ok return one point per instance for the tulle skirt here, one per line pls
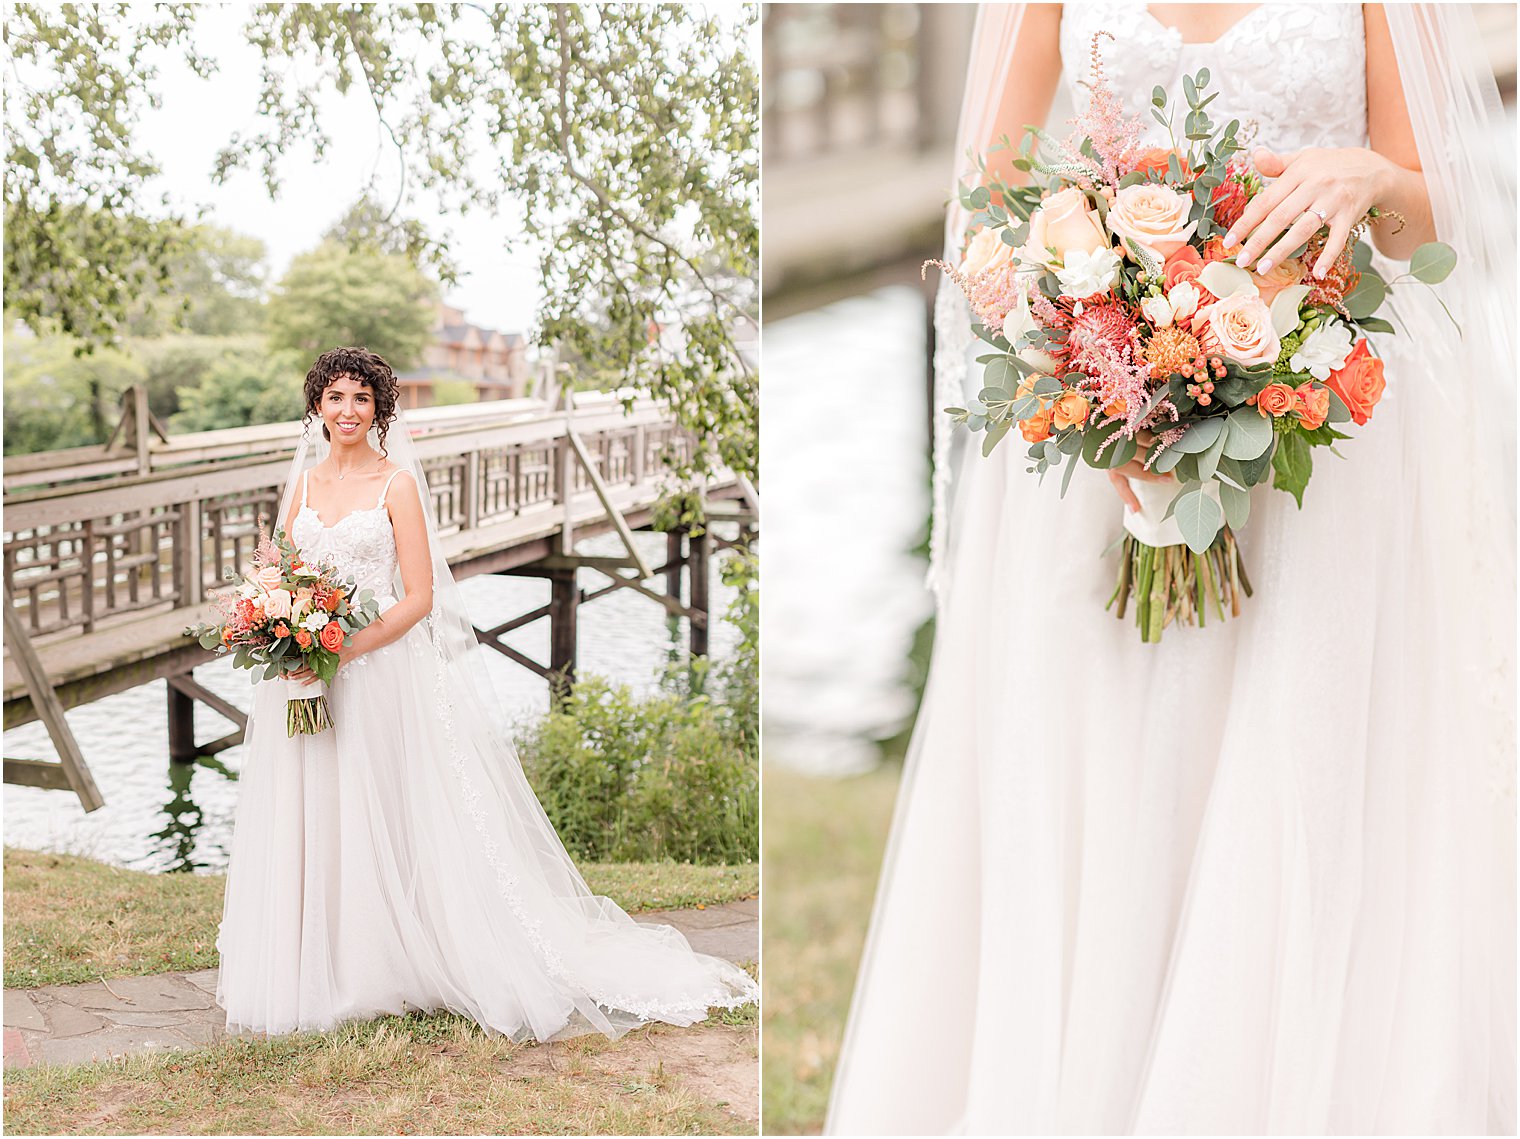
(398, 861)
(1258, 878)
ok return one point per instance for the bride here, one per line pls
(1257, 878)
(398, 860)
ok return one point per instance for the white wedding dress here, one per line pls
(1258, 878)
(381, 867)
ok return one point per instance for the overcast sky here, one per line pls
(198, 117)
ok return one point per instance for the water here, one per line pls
(160, 819)
(845, 462)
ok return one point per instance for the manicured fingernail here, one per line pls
(1229, 240)
(1243, 261)
(1265, 266)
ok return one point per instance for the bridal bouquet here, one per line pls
(286, 614)
(1117, 327)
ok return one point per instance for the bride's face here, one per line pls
(347, 408)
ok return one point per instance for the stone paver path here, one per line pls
(72, 1024)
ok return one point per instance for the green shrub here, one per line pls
(630, 778)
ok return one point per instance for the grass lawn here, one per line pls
(823, 844)
(407, 1076)
(70, 919)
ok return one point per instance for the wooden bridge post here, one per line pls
(564, 602)
(182, 747)
(674, 555)
(697, 562)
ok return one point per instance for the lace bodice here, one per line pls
(361, 543)
(1297, 70)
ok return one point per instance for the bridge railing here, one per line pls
(93, 535)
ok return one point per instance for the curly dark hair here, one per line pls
(368, 369)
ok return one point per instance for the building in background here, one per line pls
(466, 362)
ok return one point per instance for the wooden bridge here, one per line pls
(111, 551)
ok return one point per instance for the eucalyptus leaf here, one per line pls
(1199, 518)
(1200, 436)
(1236, 503)
(1433, 262)
(1208, 462)
(1247, 433)
(1048, 385)
(994, 435)
(1367, 297)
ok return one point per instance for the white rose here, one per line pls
(1087, 274)
(1157, 310)
(1184, 298)
(1323, 351)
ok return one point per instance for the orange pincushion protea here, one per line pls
(1170, 350)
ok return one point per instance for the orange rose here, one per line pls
(1312, 405)
(1036, 429)
(282, 630)
(1275, 400)
(1359, 383)
(1070, 410)
(332, 636)
(303, 638)
(1118, 407)
(1155, 159)
(1183, 265)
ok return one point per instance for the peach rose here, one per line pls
(1359, 382)
(1036, 429)
(1312, 405)
(1064, 222)
(1120, 406)
(277, 603)
(268, 578)
(1275, 400)
(1070, 410)
(1290, 272)
(1183, 264)
(1152, 216)
(987, 251)
(282, 630)
(303, 638)
(1243, 327)
(332, 636)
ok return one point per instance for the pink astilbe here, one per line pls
(992, 293)
(1114, 133)
(1165, 439)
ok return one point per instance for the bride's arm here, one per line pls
(416, 563)
(1033, 73)
(1344, 183)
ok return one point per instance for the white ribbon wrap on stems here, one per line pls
(295, 690)
(1147, 524)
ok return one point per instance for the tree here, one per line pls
(80, 245)
(242, 389)
(215, 287)
(333, 296)
(55, 398)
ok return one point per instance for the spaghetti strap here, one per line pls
(304, 476)
(386, 488)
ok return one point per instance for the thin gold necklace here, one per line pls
(341, 474)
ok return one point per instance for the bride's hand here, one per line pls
(302, 675)
(1135, 469)
(1313, 188)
